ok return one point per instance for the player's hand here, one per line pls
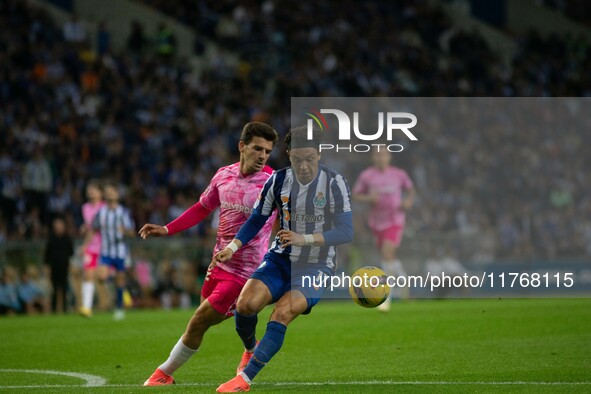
(152, 230)
(221, 256)
(406, 205)
(289, 238)
(373, 197)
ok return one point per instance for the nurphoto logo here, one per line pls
(387, 121)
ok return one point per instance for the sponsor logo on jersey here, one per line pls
(300, 217)
(235, 207)
(319, 200)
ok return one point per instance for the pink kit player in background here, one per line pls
(92, 248)
(391, 193)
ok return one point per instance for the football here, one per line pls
(368, 287)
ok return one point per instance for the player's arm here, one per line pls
(361, 191)
(207, 203)
(248, 231)
(341, 233)
(408, 198)
(187, 219)
(366, 197)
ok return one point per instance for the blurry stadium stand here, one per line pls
(525, 15)
(277, 62)
(461, 15)
(119, 15)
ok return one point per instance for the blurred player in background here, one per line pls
(234, 190)
(391, 193)
(114, 223)
(315, 216)
(91, 249)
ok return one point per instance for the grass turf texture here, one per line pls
(536, 340)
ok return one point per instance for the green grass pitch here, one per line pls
(455, 346)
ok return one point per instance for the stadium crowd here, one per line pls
(147, 121)
(578, 10)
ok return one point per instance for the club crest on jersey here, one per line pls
(319, 200)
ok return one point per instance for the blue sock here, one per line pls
(269, 345)
(246, 328)
(119, 297)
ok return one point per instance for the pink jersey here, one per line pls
(389, 184)
(236, 194)
(89, 211)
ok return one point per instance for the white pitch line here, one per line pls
(91, 380)
(329, 383)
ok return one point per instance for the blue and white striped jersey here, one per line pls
(306, 209)
(111, 223)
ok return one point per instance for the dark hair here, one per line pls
(110, 183)
(298, 138)
(258, 129)
(95, 183)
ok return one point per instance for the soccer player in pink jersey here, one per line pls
(92, 248)
(391, 193)
(234, 189)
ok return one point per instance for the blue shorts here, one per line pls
(281, 276)
(117, 263)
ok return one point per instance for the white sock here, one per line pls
(395, 268)
(179, 355)
(246, 378)
(87, 294)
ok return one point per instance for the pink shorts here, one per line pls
(222, 289)
(392, 234)
(90, 260)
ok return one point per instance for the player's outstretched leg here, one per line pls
(179, 355)
(287, 308)
(253, 298)
(205, 316)
(266, 349)
(120, 283)
(87, 289)
(246, 329)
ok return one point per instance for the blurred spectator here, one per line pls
(58, 251)
(74, 30)
(30, 225)
(136, 41)
(144, 277)
(103, 38)
(30, 295)
(3, 232)
(59, 202)
(169, 288)
(135, 291)
(165, 42)
(10, 182)
(9, 303)
(579, 10)
(37, 183)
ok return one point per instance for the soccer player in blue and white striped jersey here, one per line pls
(114, 223)
(315, 216)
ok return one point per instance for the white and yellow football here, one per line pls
(368, 287)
